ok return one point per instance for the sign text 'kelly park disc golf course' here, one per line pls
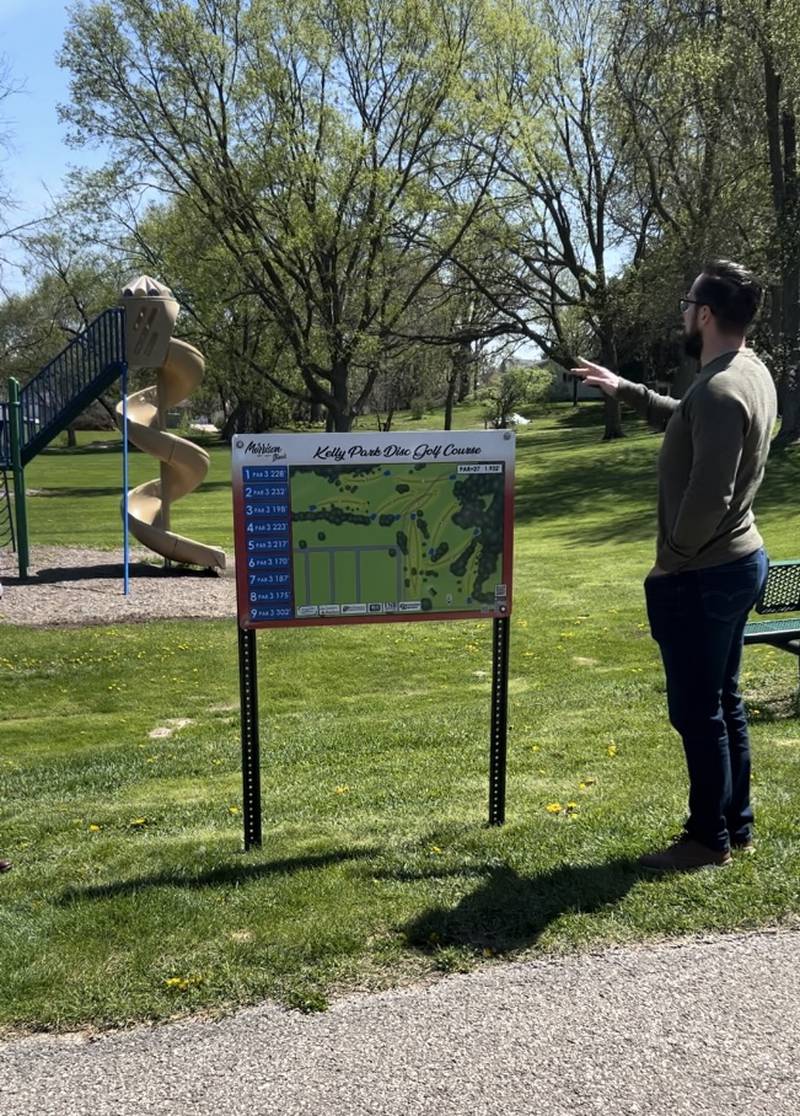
(372, 528)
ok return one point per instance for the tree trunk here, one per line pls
(785, 317)
(789, 233)
(464, 378)
(613, 411)
(613, 419)
(789, 405)
(339, 418)
(457, 380)
(454, 378)
(248, 417)
(448, 402)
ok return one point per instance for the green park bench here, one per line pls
(781, 594)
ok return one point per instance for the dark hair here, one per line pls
(731, 292)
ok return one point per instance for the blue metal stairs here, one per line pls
(66, 386)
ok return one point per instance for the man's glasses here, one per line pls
(685, 303)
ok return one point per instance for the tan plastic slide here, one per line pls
(183, 464)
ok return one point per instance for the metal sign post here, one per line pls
(17, 435)
(251, 761)
(501, 634)
(251, 758)
(126, 586)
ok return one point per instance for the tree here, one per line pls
(707, 97)
(328, 145)
(8, 232)
(512, 389)
(554, 231)
(67, 286)
(249, 377)
(778, 38)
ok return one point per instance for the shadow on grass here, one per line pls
(113, 571)
(621, 491)
(510, 911)
(619, 487)
(224, 876)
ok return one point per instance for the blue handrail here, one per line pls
(66, 386)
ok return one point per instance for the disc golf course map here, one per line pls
(351, 528)
(389, 538)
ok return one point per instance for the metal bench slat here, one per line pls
(758, 629)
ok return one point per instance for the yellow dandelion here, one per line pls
(182, 984)
(553, 807)
(435, 849)
(94, 828)
(612, 749)
(341, 789)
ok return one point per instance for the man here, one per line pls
(710, 562)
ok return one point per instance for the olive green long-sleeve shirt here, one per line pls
(712, 460)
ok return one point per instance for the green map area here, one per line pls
(398, 537)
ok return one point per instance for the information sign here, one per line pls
(364, 528)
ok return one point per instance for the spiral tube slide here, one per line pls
(183, 464)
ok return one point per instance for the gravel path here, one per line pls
(67, 586)
(701, 1026)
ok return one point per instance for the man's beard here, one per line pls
(693, 344)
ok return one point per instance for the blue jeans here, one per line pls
(697, 618)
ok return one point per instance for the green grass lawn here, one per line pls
(131, 899)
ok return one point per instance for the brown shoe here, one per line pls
(685, 855)
(5, 865)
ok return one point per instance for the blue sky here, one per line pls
(31, 34)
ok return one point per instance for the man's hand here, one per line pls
(595, 375)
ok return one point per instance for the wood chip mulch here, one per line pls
(71, 587)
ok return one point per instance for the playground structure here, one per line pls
(150, 312)
(136, 334)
